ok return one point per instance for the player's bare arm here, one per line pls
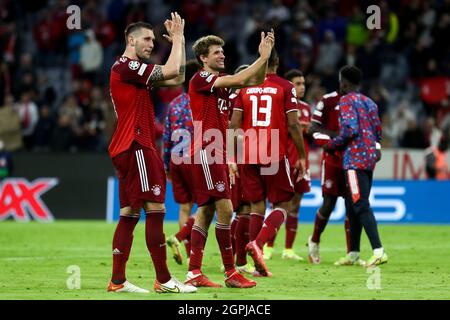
(171, 70)
(181, 76)
(295, 130)
(241, 79)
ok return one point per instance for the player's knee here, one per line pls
(259, 207)
(154, 206)
(128, 212)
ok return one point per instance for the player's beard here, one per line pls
(142, 56)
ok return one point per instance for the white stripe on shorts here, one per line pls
(288, 171)
(353, 181)
(206, 171)
(142, 170)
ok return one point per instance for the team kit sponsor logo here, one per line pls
(21, 199)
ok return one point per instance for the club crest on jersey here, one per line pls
(156, 189)
(133, 65)
(294, 93)
(220, 186)
(204, 74)
(328, 183)
(305, 113)
(319, 106)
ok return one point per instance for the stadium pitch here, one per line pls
(41, 261)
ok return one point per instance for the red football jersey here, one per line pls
(304, 116)
(211, 107)
(326, 115)
(134, 109)
(265, 109)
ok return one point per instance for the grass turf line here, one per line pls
(34, 259)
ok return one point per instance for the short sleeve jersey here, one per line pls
(264, 110)
(304, 117)
(130, 94)
(326, 115)
(210, 107)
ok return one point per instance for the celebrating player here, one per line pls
(267, 109)
(359, 134)
(304, 185)
(179, 118)
(139, 166)
(210, 107)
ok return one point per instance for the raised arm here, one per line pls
(171, 70)
(179, 80)
(257, 68)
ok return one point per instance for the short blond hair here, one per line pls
(201, 46)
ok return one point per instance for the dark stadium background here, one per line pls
(61, 75)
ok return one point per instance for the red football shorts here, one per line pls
(141, 176)
(304, 185)
(276, 188)
(333, 180)
(211, 181)
(182, 185)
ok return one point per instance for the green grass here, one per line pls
(34, 259)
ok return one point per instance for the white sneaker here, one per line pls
(173, 286)
(313, 251)
(125, 287)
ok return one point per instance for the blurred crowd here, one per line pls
(54, 93)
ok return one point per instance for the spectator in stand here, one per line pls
(42, 140)
(10, 130)
(65, 137)
(436, 164)
(330, 52)
(29, 116)
(5, 80)
(400, 119)
(93, 124)
(44, 33)
(414, 137)
(91, 57)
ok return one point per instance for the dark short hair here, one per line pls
(293, 73)
(352, 74)
(192, 67)
(201, 46)
(132, 27)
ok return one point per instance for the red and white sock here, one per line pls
(271, 226)
(242, 238)
(185, 231)
(256, 222)
(223, 236)
(156, 243)
(234, 224)
(291, 229)
(198, 241)
(121, 246)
